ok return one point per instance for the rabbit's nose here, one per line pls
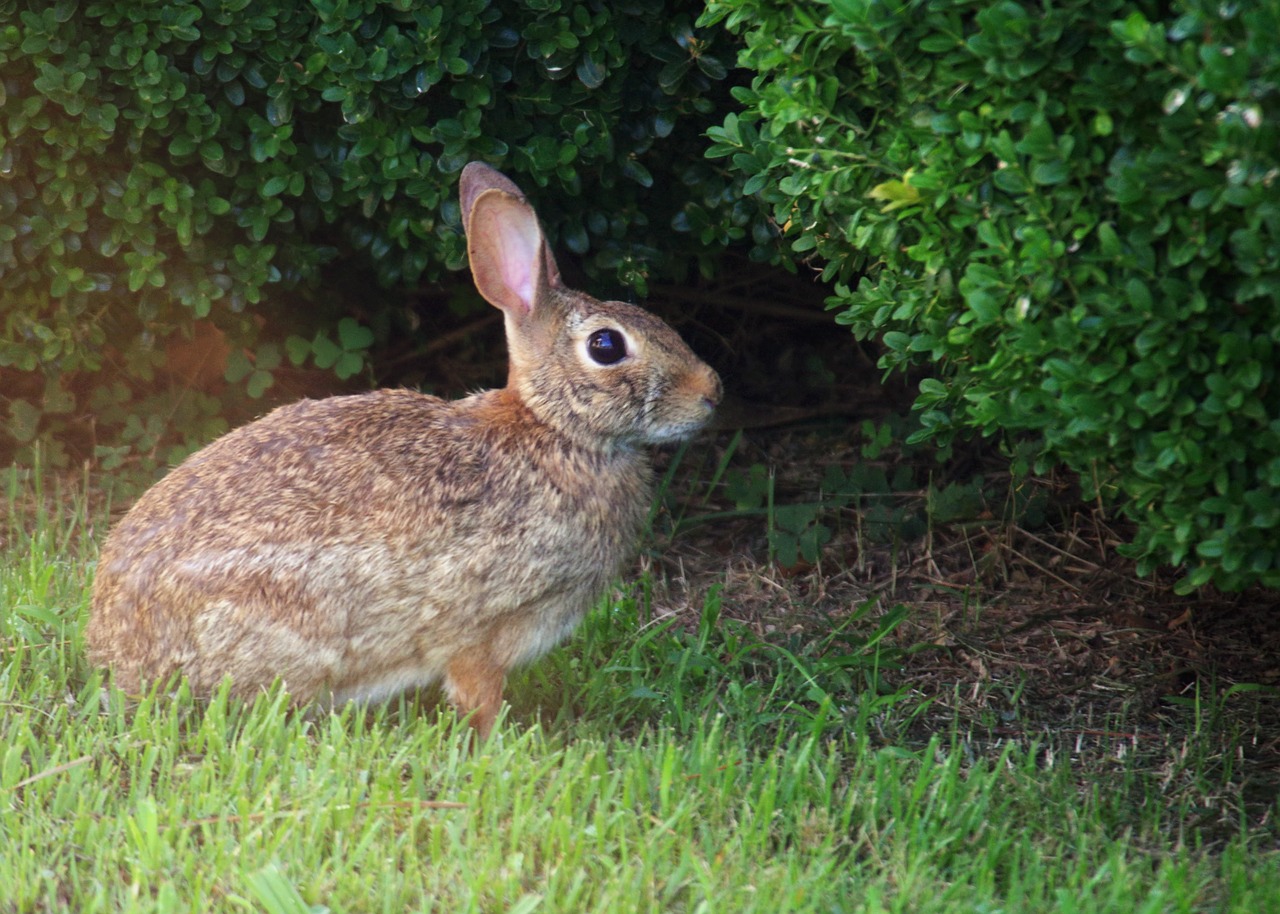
(713, 390)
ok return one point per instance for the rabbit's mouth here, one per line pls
(673, 434)
(668, 421)
(668, 429)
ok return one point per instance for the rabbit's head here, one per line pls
(602, 373)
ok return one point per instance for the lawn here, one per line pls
(657, 762)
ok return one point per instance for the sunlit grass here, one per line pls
(642, 767)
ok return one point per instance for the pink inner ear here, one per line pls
(507, 251)
(519, 244)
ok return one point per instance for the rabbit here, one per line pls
(355, 547)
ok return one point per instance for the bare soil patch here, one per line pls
(1040, 635)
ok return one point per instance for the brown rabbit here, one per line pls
(358, 546)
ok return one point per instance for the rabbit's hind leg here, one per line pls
(474, 684)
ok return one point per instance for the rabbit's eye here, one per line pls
(606, 347)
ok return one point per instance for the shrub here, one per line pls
(1072, 211)
(162, 163)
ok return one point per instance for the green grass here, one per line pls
(642, 767)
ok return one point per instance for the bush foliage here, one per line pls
(164, 162)
(1073, 210)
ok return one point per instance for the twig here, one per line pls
(282, 813)
(50, 772)
(1058, 549)
(1034, 564)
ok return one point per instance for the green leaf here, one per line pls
(897, 340)
(297, 349)
(259, 382)
(348, 365)
(352, 336)
(985, 305)
(25, 420)
(1138, 294)
(895, 193)
(1108, 240)
(326, 351)
(711, 67)
(591, 72)
(850, 11)
(275, 185)
(636, 172)
(267, 357)
(1011, 181)
(238, 366)
(1051, 172)
(932, 387)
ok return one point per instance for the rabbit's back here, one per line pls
(352, 546)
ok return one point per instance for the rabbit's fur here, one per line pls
(357, 546)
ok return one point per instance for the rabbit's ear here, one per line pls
(505, 246)
(476, 178)
(504, 241)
